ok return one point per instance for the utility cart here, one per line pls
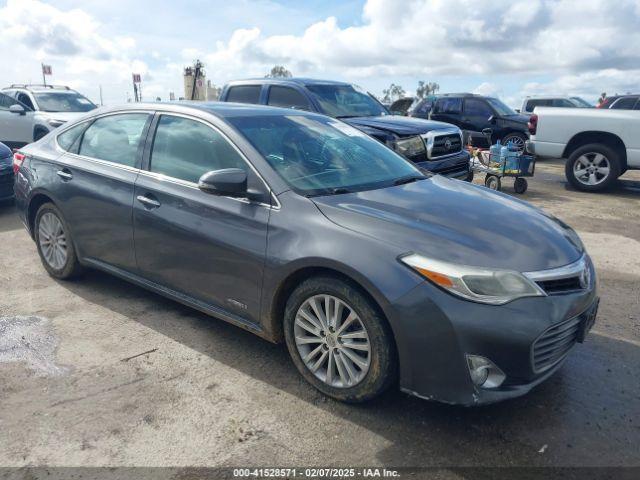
(518, 165)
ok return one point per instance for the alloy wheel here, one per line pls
(52, 241)
(332, 341)
(517, 141)
(591, 168)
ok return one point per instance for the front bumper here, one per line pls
(454, 166)
(434, 330)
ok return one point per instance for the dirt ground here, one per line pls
(75, 391)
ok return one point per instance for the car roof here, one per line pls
(39, 88)
(543, 97)
(218, 109)
(302, 81)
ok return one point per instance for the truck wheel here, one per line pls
(592, 167)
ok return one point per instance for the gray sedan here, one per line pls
(302, 229)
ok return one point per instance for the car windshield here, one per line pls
(318, 155)
(500, 107)
(63, 102)
(343, 101)
(582, 103)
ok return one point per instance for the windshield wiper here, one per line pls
(339, 190)
(405, 180)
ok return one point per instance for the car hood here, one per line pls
(456, 222)
(401, 126)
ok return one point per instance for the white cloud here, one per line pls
(585, 46)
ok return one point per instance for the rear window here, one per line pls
(244, 94)
(532, 104)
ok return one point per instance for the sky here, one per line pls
(506, 48)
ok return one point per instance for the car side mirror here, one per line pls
(17, 109)
(229, 182)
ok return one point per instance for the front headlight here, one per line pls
(410, 147)
(495, 287)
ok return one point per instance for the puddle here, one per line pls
(30, 339)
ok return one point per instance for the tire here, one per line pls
(381, 371)
(519, 139)
(469, 177)
(594, 155)
(492, 182)
(520, 185)
(44, 226)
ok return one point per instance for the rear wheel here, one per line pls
(338, 340)
(520, 185)
(592, 167)
(54, 242)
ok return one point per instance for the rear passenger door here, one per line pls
(205, 246)
(95, 183)
(287, 97)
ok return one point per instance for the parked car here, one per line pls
(302, 229)
(29, 112)
(434, 146)
(530, 103)
(6, 173)
(474, 113)
(599, 144)
(626, 102)
(606, 103)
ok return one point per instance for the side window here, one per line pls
(69, 140)
(625, 103)
(532, 104)
(114, 138)
(477, 108)
(244, 94)
(449, 105)
(637, 107)
(287, 97)
(562, 103)
(424, 106)
(25, 100)
(186, 149)
(6, 101)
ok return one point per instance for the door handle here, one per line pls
(148, 202)
(64, 174)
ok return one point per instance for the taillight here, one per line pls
(533, 124)
(18, 158)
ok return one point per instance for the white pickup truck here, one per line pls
(599, 145)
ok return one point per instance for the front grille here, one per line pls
(440, 143)
(560, 285)
(555, 343)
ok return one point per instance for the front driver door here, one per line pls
(208, 247)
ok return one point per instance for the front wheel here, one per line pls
(493, 182)
(592, 167)
(338, 340)
(519, 140)
(520, 185)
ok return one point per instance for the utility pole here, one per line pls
(44, 79)
(101, 104)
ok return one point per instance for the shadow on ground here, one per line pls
(584, 415)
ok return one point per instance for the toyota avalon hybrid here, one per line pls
(305, 230)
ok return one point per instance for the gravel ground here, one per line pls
(75, 391)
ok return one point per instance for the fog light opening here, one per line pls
(484, 373)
